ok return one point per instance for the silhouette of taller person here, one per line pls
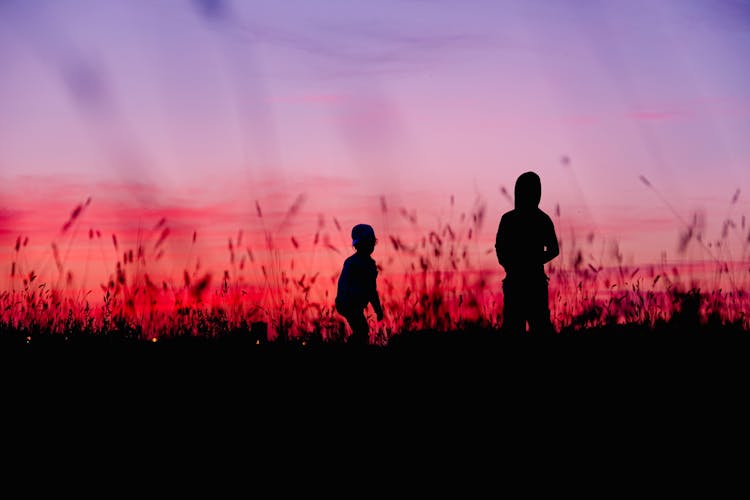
(525, 242)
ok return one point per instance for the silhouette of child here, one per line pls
(357, 285)
(525, 241)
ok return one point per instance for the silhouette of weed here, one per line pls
(442, 280)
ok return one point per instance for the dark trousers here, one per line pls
(357, 321)
(526, 300)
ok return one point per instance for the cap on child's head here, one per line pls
(362, 232)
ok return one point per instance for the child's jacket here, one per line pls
(357, 283)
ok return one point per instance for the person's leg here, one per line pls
(539, 313)
(360, 328)
(514, 319)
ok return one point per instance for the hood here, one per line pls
(528, 190)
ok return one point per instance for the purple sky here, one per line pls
(217, 104)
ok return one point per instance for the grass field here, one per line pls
(436, 286)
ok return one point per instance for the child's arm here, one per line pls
(375, 301)
(375, 298)
(342, 289)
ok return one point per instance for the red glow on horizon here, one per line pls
(431, 276)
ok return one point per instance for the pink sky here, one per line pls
(193, 111)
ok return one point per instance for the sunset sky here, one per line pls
(635, 114)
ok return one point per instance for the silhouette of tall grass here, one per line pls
(437, 279)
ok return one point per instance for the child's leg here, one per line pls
(360, 328)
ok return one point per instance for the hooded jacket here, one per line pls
(526, 238)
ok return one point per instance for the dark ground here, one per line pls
(627, 354)
(603, 410)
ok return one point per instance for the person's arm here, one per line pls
(500, 245)
(375, 297)
(376, 305)
(551, 247)
(342, 289)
